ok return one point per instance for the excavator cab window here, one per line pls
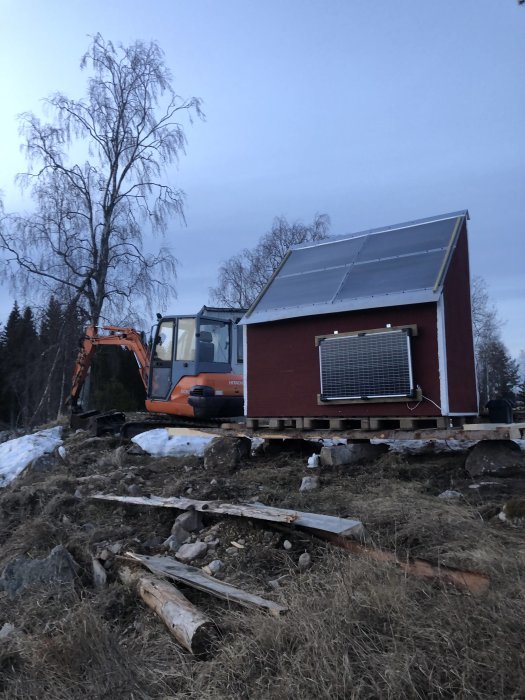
(186, 340)
(161, 364)
(164, 342)
(214, 341)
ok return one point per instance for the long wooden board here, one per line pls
(246, 510)
(344, 527)
(191, 576)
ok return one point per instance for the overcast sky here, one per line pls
(372, 112)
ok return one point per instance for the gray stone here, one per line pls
(309, 483)
(287, 545)
(449, 495)
(232, 551)
(227, 453)
(214, 567)
(190, 520)
(99, 575)
(495, 457)
(178, 537)
(44, 463)
(116, 547)
(136, 450)
(305, 562)
(189, 552)
(134, 490)
(276, 583)
(7, 630)
(22, 573)
(354, 453)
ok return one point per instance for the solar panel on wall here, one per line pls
(366, 365)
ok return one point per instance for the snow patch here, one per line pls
(17, 454)
(160, 443)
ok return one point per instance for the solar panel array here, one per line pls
(371, 365)
(378, 268)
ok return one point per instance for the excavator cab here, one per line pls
(192, 369)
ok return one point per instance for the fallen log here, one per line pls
(191, 628)
(343, 527)
(191, 576)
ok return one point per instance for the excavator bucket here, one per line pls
(98, 423)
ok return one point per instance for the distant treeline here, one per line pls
(37, 358)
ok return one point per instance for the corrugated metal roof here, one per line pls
(391, 266)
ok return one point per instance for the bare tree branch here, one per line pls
(86, 234)
(242, 277)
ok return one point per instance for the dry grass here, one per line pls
(355, 629)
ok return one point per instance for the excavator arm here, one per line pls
(114, 335)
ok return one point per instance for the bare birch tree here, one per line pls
(97, 174)
(243, 276)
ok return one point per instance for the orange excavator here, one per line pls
(191, 369)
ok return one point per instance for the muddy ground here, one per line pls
(355, 628)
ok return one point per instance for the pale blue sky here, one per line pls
(373, 112)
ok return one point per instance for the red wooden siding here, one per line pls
(458, 332)
(283, 363)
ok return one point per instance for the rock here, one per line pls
(189, 552)
(62, 453)
(213, 543)
(313, 461)
(104, 555)
(227, 453)
(305, 562)
(44, 463)
(134, 490)
(495, 458)
(116, 547)
(233, 551)
(276, 583)
(190, 520)
(354, 453)
(99, 575)
(7, 630)
(136, 450)
(449, 495)
(213, 567)
(309, 483)
(178, 537)
(213, 482)
(513, 512)
(22, 573)
(287, 545)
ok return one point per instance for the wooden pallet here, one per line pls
(372, 424)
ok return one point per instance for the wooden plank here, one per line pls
(311, 433)
(470, 581)
(191, 576)
(493, 426)
(190, 627)
(345, 527)
(245, 510)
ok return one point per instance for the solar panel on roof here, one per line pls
(398, 265)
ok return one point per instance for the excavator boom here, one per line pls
(113, 335)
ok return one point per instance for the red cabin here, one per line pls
(375, 324)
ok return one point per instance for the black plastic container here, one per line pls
(500, 411)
